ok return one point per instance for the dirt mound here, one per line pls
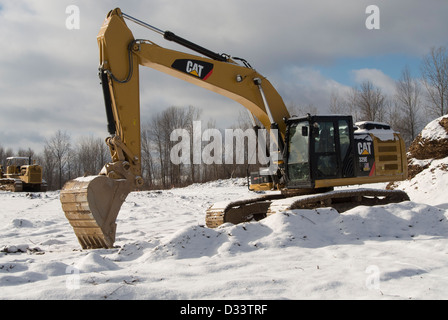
(432, 142)
(427, 164)
(444, 123)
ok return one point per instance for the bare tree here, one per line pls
(5, 154)
(193, 114)
(148, 169)
(370, 101)
(164, 171)
(301, 110)
(26, 153)
(48, 167)
(394, 115)
(351, 103)
(434, 70)
(407, 95)
(59, 148)
(156, 136)
(337, 103)
(346, 104)
(91, 154)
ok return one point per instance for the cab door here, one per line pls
(298, 170)
(331, 147)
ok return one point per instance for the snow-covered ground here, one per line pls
(164, 251)
(398, 251)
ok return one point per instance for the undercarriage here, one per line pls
(260, 207)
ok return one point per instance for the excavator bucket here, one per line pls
(91, 205)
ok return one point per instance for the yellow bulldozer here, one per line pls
(314, 153)
(22, 174)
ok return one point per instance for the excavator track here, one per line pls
(239, 211)
(12, 185)
(258, 208)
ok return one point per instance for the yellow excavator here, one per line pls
(314, 153)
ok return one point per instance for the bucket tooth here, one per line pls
(91, 205)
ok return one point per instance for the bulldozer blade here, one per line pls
(91, 205)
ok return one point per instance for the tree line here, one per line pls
(416, 101)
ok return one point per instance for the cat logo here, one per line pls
(364, 148)
(196, 68)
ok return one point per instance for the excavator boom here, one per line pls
(91, 204)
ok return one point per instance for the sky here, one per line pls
(307, 49)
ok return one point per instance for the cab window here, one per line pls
(325, 149)
(298, 152)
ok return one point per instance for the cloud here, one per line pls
(377, 77)
(49, 73)
(307, 86)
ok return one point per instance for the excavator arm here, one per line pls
(91, 204)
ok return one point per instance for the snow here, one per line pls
(430, 185)
(85, 179)
(434, 131)
(164, 251)
(379, 130)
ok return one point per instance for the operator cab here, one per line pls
(317, 148)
